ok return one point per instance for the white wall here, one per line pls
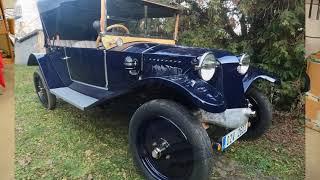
(28, 23)
(9, 4)
(30, 20)
(31, 45)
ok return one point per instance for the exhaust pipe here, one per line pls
(231, 118)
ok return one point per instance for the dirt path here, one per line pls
(312, 154)
(225, 168)
(7, 126)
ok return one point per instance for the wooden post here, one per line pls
(310, 11)
(176, 30)
(4, 31)
(103, 16)
(145, 19)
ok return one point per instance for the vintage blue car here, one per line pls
(97, 51)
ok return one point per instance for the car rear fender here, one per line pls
(47, 69)
(33, 59)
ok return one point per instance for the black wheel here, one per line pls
(261, 122)
(306, 83)
(47, 99)
(167, 142)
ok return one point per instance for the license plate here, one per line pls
(234, 135)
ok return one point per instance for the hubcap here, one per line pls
(156, 153)
(164, 150)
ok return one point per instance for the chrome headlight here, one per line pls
(207, 66)
(244, 64)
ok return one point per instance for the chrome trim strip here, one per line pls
(150, 48)
(228, 60)
(127, 48)
(89, 85)
(141, 68)
(142, 56)
(65, 52)
(106, 69)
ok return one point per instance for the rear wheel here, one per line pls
(261, 122)
(167, 142)
(47, 99)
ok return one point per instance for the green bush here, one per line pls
(272, 32)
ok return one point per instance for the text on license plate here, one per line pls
(234, 135)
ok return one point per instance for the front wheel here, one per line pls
(261, 122)
(167, 142)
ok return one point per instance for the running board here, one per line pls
(73, 97)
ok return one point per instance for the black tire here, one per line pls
(163, 118)
(263, 119)
(306, 83)
(47, 99)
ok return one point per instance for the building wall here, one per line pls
(312, 28)
(27, 24)
(9, 3)
(313, 68)
(33, 44)
(312, 138)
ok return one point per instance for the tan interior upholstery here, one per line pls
(75, 44)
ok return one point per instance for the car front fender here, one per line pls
(199, 92)
(254, 74)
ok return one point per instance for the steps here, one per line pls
(75, 98)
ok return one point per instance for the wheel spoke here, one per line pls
(41, 91)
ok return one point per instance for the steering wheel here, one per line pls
(118, 26)
(110, 28)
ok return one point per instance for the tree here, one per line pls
(272, 32)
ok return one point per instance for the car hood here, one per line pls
(181, 51)
(174, 50)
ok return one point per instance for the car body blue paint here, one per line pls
(50, 75)
(201, 93)
(60, 65)
(226, 90)
(254, 74)
(101, 73)
(86, 65)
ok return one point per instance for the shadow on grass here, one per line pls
(115, 116)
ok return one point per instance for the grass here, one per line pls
(70, 144)
(270, 159)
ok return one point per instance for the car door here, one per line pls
(87, 66)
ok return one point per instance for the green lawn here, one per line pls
(70, 144)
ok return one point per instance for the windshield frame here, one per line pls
(105, 17)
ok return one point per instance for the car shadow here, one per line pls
(114, 115)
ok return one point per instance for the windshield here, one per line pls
(142, 18)
(162, 28)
